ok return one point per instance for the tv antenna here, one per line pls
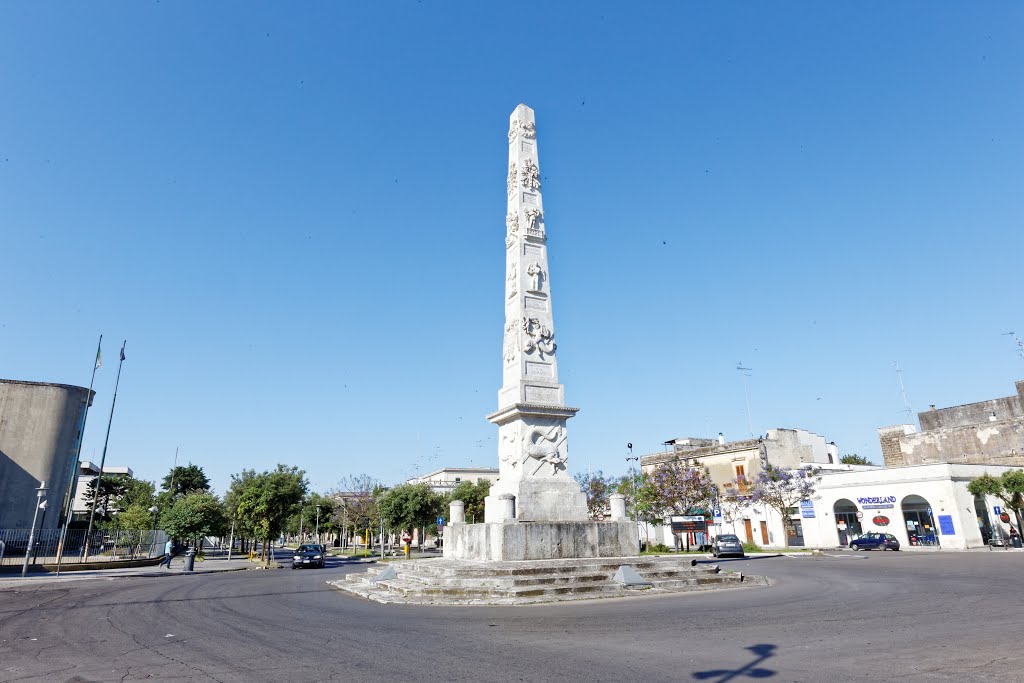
(1017, 341)
(903, 393)
(746, 393)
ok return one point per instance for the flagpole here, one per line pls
(103, 458)
(78, 456)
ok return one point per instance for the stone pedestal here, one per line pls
(618, 505)
(540, 540)
(457, 512)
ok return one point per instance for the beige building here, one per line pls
(983, 433)
(447, 478)
(727, 460)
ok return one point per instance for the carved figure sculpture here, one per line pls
(544, 445)
(511, 347)
(512, 279)
(531, 218)
(538, 337)
(536, 273)
(509, 447)
(529, 129)
(530, 175)
(513, 129)
(512, 224)
(511, 178)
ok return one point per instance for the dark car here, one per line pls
(308, 555)
(875, 541)
(727, 544)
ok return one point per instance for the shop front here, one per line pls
(922, 506)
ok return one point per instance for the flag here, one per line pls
(122, 349)
(99, 354)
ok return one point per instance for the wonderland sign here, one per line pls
(877, 502)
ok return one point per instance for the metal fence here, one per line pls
(104, 546)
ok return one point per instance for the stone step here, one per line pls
(440, 569)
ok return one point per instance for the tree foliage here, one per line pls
(854, 459)
(1008, 487)
(117, 493)
(185, 479)
(358, 501)
(264, 502)
(683, 489)
(408, 506)
(193, 515)
(472, 495)
(782, 489)
(597, 487)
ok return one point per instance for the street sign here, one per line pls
(717, 515)
(997, 509)
(406, 537)
(440, 521)
(687, 523)
(600, 516)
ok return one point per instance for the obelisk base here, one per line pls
(541, 540)
(540, 499)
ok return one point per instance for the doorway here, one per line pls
(847, 524)
(917, 514)
(764, 532)
(749, 530)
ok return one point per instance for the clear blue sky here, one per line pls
(295, 215)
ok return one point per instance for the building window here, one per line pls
(458, 479)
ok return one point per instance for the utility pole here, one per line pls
(103, 458)
(40, 492)
(632, 481)
(78, 456)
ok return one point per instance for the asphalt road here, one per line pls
(911, 616)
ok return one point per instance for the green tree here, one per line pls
(597, 487)
(185, 479)
(193, 515)
(134, 523)
(357, 496)
(315, 506)
(409, 506)
(782, 490)
(472, 495)
(1008, 487)
(854, 459)
(266, 501)
(137, 492)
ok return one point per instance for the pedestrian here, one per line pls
(168, 547)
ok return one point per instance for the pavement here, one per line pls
(218, 564)
(909, 616)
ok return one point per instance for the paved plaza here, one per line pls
(848, 616)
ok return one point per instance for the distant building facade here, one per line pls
(447, 478)
(40, 430)
(87, 473)
(984, 433)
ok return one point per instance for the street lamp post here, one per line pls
(40, 492)
(318, 525)
(632, 484)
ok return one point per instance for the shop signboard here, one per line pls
(946, 525)
(877, 502)
(686, 523)
(880, 520)
(807, 509)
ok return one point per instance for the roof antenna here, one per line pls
(903, 393)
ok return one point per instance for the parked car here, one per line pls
(727, 544)
(308, 555)
(875, 541)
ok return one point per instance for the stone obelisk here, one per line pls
(533, 483)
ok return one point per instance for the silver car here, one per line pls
(727, 544)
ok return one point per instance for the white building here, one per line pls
(447, 478)
(87, 472)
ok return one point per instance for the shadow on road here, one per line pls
(748, 670)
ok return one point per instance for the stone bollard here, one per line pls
(507, 506)
(457, 512)
(618, 502)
